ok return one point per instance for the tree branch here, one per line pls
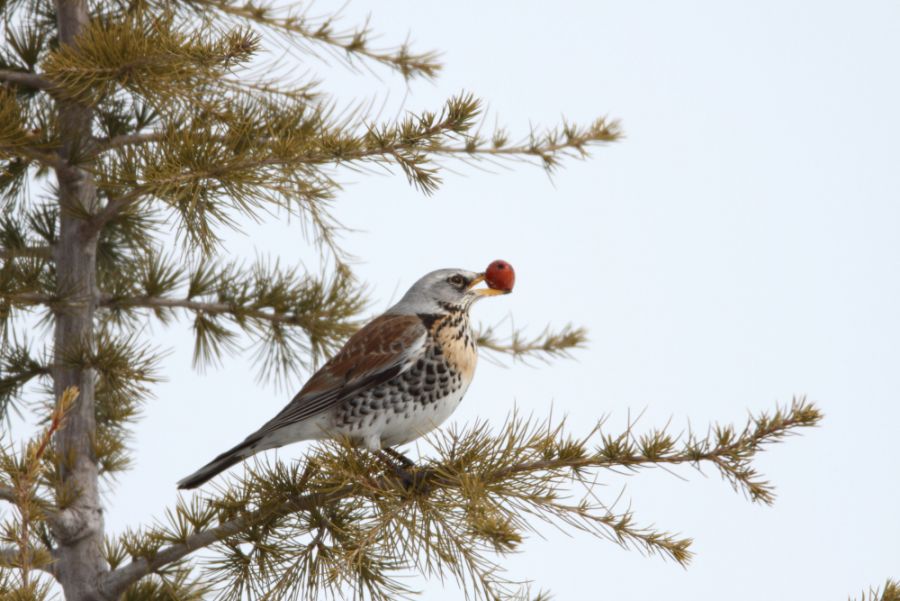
(568, 140)
(10, 556)
(730, 452)
(36, 252)
(890, 592)
(205, 307)
(28, 298)
(8, 494)
(49, 159)
(116, 204)
(105, 144)
(352, 42)
(410, 145)
(388, 153)
(25, 79)
(545, 345)
(520, 150)
(116, 581)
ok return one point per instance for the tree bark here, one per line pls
(78, 527)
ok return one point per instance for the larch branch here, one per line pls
(353, 42)
(114, 142)
(428, 478)
(116, 581)
(399, 147)
(49, 159)
(36, 252)
(109, 212)
(512, 151)
(26, 79)
(576, 143)
(8, 494)
(547, 343)
(379, 152)
(205, 307)
(27, 298)
(117, 204)
(10, 556)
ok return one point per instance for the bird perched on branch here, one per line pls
(397, 378)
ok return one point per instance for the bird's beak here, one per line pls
(484, 291)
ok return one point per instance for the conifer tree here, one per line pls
(124, 120)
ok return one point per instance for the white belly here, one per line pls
(391, 429)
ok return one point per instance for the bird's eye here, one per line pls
(457, 280)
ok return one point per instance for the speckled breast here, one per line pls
(419, 399)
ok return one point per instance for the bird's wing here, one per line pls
(385, 347)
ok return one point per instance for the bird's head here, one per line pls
(444, 291)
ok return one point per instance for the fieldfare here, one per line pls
(397, 378)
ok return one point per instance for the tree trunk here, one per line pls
(79, 526)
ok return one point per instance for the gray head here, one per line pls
(443, 291)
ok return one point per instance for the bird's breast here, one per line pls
(406, 406)
(455, 341)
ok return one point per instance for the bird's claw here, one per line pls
(400, 457)
(401, 465)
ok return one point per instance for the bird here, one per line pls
(397, 378)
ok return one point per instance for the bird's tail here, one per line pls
(220, 464)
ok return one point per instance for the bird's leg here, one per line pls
(308, 472)
(403, 459)
(400, 465)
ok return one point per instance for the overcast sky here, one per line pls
(739, 247)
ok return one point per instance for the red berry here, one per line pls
(500, 276)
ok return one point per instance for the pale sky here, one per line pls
(739, 247)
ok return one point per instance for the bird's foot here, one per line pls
(311, 468)
(400, 457)
(403, 467)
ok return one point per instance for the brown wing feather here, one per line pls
(386, 346)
